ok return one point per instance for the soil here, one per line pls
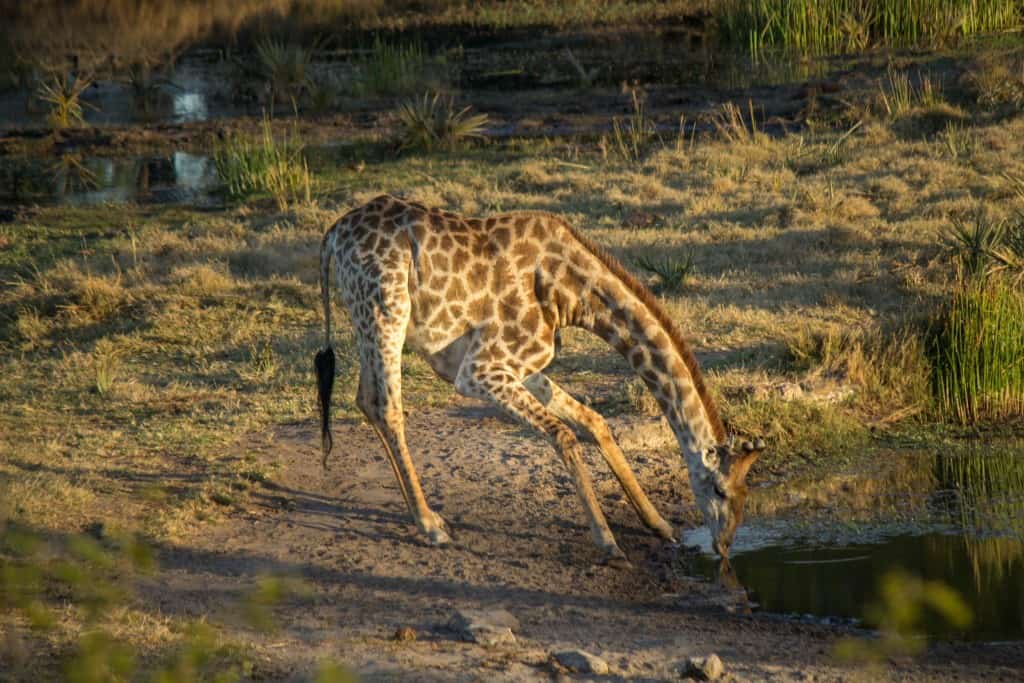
(519, 545)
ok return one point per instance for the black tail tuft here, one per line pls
(324, 364)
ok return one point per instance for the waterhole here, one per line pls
(965, 531)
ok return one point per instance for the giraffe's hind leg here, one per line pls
(380, 400)
(503, 387)
(558, 401)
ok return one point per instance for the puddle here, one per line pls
(181, 178)
(967, 532)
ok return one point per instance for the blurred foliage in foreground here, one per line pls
(907, 603)
(81, 585)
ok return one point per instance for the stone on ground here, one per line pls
(708, 668)
(485, 627)
(581, 661)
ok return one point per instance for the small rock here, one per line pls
(488, 628)
(404, 634)
(581, 661)
(708, 668)
(789, 391)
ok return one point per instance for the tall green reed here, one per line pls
(819, 27)
(251, 165)
(978, 352)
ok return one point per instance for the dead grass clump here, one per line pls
(856, 207)
(891, 370)
(735, 125)
(797, 426)
(637, 397)
(925, 122)
(997, 80)
(204, 279)
(95, 298)
(31, 326)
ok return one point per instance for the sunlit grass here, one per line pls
(978, 351)
(822, 27)
(265, 164)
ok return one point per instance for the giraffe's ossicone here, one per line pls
(482, 300)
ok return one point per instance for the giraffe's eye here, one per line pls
(719, 492)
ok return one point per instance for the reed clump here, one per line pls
(978, 352)
(822, 27)
(247, 166)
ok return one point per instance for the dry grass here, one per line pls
(155, 344)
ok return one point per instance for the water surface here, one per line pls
(968, 533)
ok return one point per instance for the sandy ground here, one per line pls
(520, 545)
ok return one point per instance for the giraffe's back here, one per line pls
(489, 275)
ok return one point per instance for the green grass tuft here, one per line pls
(978, 352)
(433, 123)
(395, 70)
(249, 166)
(824, 27)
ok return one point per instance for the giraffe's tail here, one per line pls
(324, 361)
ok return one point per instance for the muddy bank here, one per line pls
(520, 545)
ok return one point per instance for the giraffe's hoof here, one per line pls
(616, 559)
(666, 532)
(438, 537)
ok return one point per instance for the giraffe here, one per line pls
(482, 300)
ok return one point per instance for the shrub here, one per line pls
(433, 123)
(252, 165)
(977, 351)
(64, 95)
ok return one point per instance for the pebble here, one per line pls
(708, 668)
(485, 627)
(581, 661)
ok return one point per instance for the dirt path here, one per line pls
(519, 546)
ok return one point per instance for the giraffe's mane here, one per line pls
(644, 294)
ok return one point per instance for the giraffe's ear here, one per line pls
(742, 460)
(711, 459)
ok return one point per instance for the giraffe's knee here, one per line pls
(367, 403)
(599, 428)
(568, 447)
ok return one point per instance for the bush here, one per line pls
(978, 352)
(248, 166)
(433, 123)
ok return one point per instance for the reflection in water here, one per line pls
(77, 180)
(974, 543)
(989, 505)
(189, 106)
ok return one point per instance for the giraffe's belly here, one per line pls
(426, 339)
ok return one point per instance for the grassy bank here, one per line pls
(150, 352)
(168, 334)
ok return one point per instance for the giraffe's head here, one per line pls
(720, 488)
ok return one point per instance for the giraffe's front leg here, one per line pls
(566, 408)
(503, 388)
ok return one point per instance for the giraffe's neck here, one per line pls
(651, 353)
(627, 316)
